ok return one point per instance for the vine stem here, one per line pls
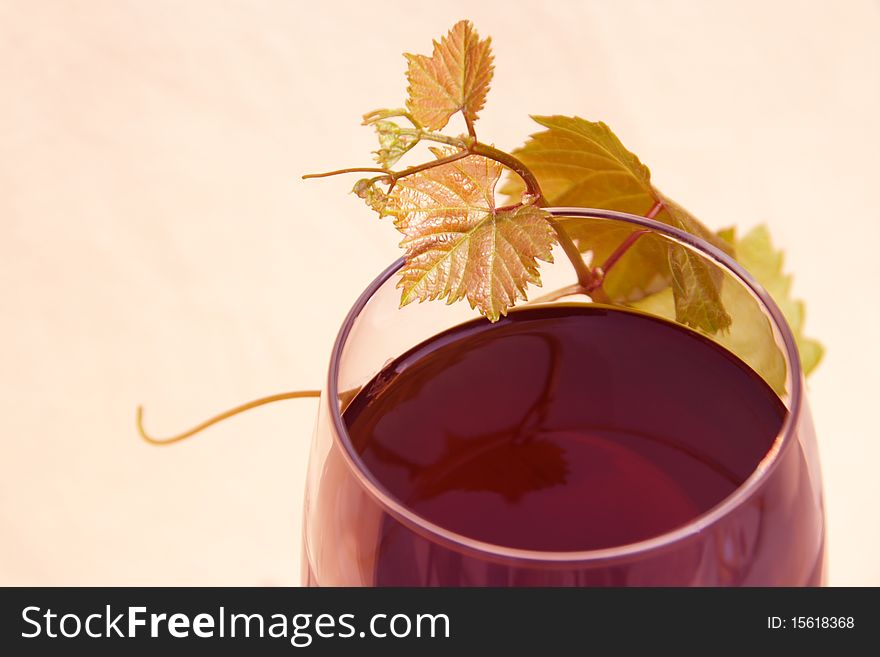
(589, 280)
(337, 172)
(568, 290)
(470, 126)
(599, 273)
(655, 209)
(622, 248)
(394, 177)
(626, 244)
(586, 278)
(297, 394)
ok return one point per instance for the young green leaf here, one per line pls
(454, 78)
(696, 284)
(372, 194)
(696, 291)
(756, 253)
(459, 245)
(583, 163)
(393, 143)
(750, 335)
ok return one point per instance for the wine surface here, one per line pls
(563, 428)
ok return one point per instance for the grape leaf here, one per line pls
(696, 291)
(393, 144)
(373, 195)
(756, 253)
(696, 284)
(454, 78)
(459, 245)
(583, 163)
(750, 335)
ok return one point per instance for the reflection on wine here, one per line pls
(564, 429)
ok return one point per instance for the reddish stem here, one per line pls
(601, 272)
(470, 126)
(655, 209)
(622, 248)
(626, 244)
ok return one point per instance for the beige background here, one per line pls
(158, 246)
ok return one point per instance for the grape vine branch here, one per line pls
(459, 244)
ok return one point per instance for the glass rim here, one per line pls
(493, 551)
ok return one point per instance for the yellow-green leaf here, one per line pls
(393, 143)
(696, 291)
(459, 245)
(756, 253)
(454, 78)
(696, 283)
(583, 163)
(750, 335)
(372, 195)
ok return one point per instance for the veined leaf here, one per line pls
(454, 78)
(696, 283)
(750, 335)
(459, 245)
(582, 163)
(756, 253)
(696, 291)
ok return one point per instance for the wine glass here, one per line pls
(769, 531)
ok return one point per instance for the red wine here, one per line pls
(563, 428)
(559, 430)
